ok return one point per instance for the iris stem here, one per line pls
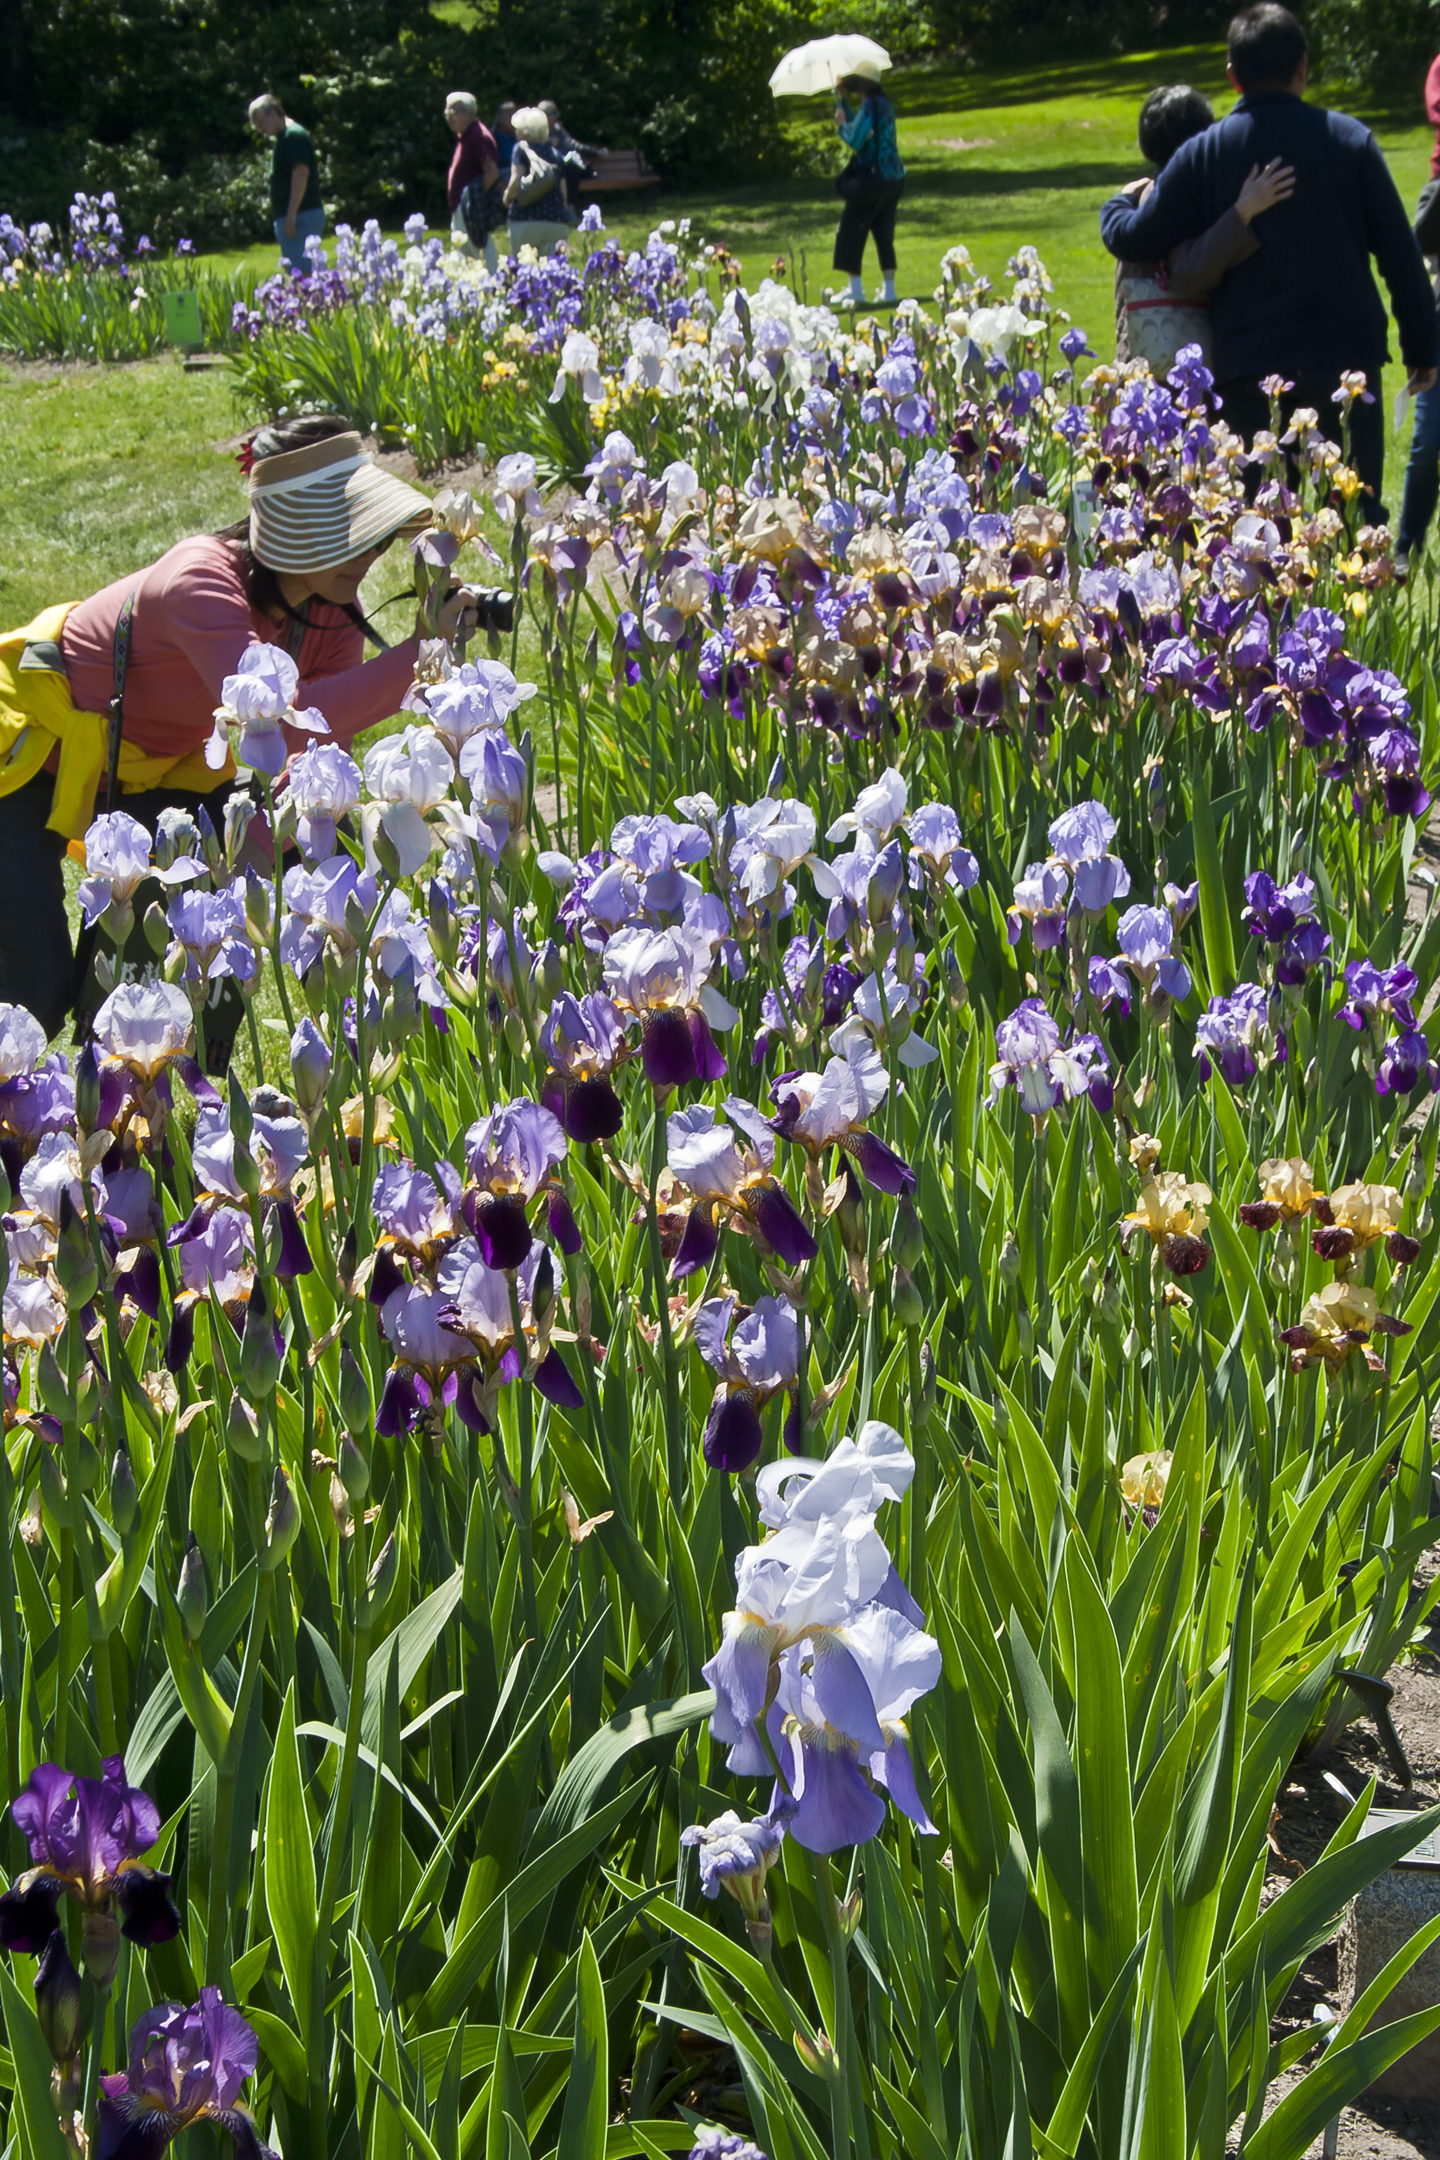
(674, 1460)
(524, 1417)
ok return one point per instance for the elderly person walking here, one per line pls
(871, 184)
(535, 192)
(295, 203)
(476, 162)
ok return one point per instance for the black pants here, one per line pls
(1247, 409)
(37, 959)
(870, 213)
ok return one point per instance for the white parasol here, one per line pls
(819, 65)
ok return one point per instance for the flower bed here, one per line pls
(85, 298)
(832, 1271)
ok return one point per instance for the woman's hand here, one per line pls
(448, 615)
(1263, 189)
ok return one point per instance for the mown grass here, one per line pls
(100, 469)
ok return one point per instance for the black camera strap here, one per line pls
(124, 622)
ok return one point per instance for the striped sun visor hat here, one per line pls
(318, 506)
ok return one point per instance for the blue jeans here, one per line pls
(309, 225)
(1422, 474)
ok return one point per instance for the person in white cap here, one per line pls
(163, 639)
(871, 184)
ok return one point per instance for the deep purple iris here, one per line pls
(86, 1836)
(186, 2066)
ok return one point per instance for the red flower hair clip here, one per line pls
(245, 457)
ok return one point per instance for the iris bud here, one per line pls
(85, 1464)
(57, 1998)
(259, 1359)
(75, 1268)
(956, 987)
(444, 925)
(209, 838)
(357, 922)
(850, 1214)
(87, 1090)
(124, 1493)
(157, 930)
(239, 810)
(380, 1581)
(345, 1264)
(242, 1429)
(1009, 1261)
(50, 1384)
(259, 903)
(542, 1295)
(310, 1064)
(241, 1119)
(387, 855)
(905, 1299)
(357, 1408)
(190, 1591)
(282, 1524)
(353, 1471)
(549, 970)
(907, 1240)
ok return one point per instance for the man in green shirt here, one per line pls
(295, 203)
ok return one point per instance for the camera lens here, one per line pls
(494, 607)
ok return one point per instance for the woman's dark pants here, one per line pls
(37, 959)
(872, 213)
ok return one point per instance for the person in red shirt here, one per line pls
(321, 514)
(1432, 113)
(475, 158)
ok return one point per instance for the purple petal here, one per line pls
(385, 1276)
(140, 1282)
(398, 1405)
(181, 1339)
(836, 1807)
(892, 1767)
(779, 1222)
(709, 1058)
(467, 1405)
(29, 1915)
(880, 1165)
(699, 1243)
(561, 1219)
(294, 1252)
(667, 1051)
(733, 1435)
(739, 1672)
(593, 1111)
(554, 1380)
(502, 1230)
(842, 1692)
(144, 1899)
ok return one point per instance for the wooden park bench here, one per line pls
(616, 170)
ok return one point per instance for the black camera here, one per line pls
(494, 607)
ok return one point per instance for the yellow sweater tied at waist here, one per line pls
(37, 712)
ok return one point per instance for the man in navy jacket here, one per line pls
(1306, 306)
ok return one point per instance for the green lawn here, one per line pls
(101, 468)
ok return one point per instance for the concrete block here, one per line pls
(1378, 1923)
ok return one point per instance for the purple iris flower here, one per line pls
(585, 1043)
(186, 2066)
(819, 1110)
(1300, 953)
(510, 1155)
(477, 1303)
(1040, 901)
(1079, 840)
(936, 850)
(1179, 668)
(1395, 755)
(839, 1776)
(1274, 912)
(1031, 1060)
(86, 1837)
(658, 851)
(317, 904)
(757, 1362)
(1379, 994)
(662, 977)
(1109, 984)
(732, 1177)
(1234, 1032)
(416, 1216)
(733, 1851)
(1146, 936)
(1407, 1065)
